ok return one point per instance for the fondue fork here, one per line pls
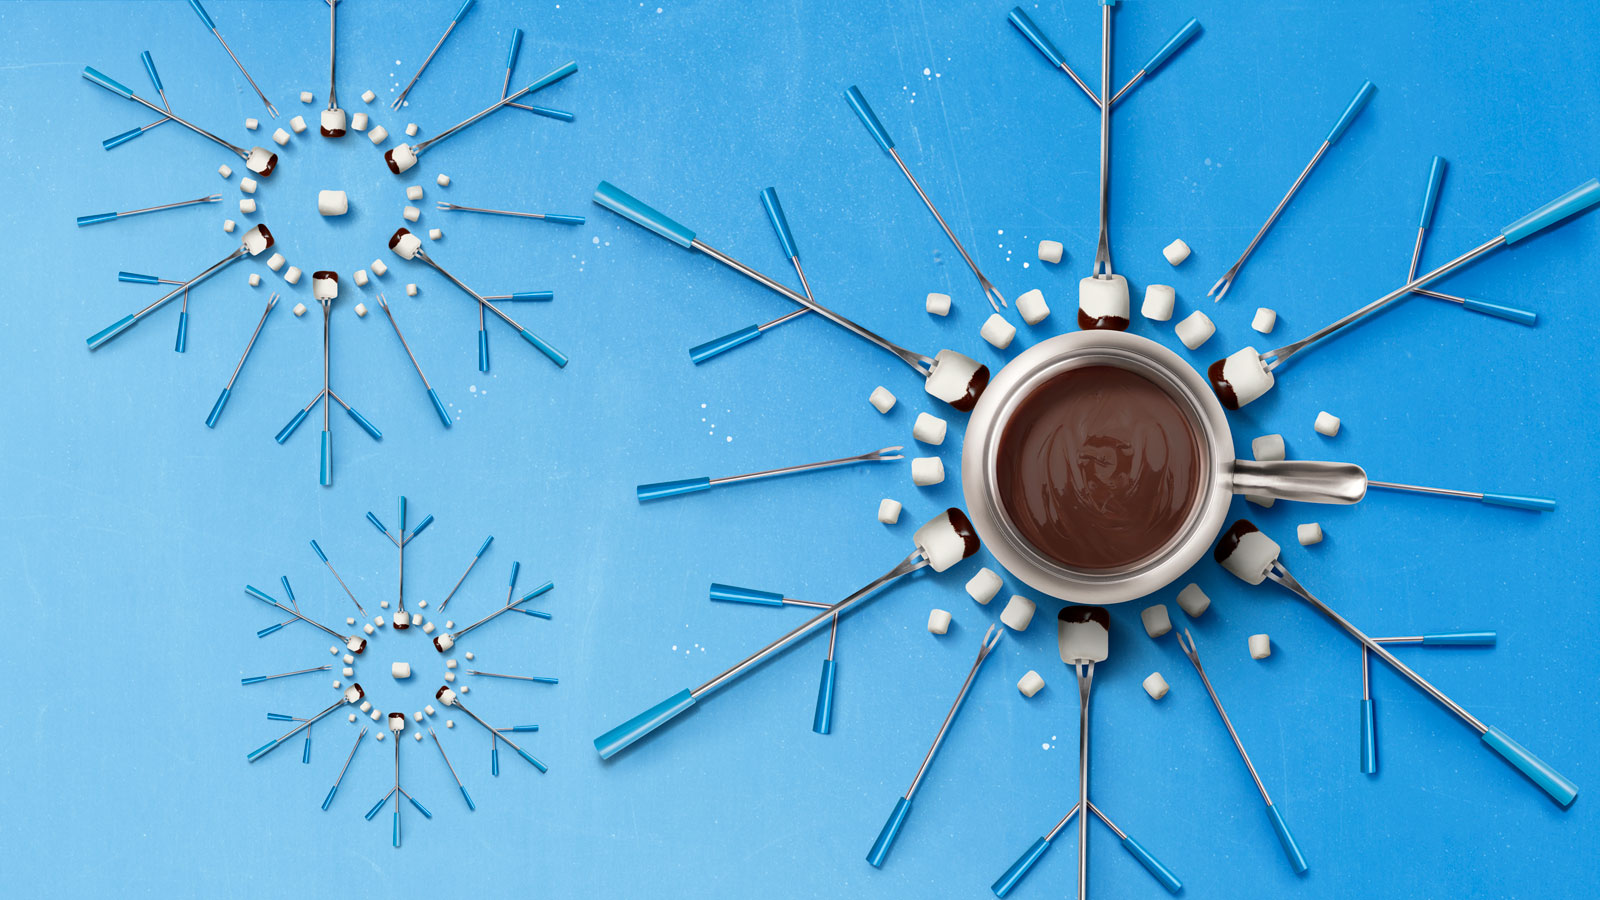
(1083, 638)
(1430, 199)
(780, 223)
(1013, 876)
(663, 489)
(822, 719)
(1369, 731)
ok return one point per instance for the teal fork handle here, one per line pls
(1461, 638)
(1499, 311)
(1290, 849)
(663, 489)
(1013, 876)
(640, 213)
(1152, 865)
(822, 720)
(619, 738)
(1572, 202)
(702, 352)
(869, 118)
(1184, 36)
(1536, 504)
(1430, 198)
(1022, 23)
(1369, 739)
(1357, 104)
(887, 836)
(732, 594)
(1549, 780)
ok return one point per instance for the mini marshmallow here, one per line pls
(1031, 683)
(332, 203)
(379, 736)
(929, 429)
(275, 262)
(368, 628)
(927, 470)
(1267, 448)
(251, 124)
(946, 539)
(325, 286)
(1265, 320)
(1018, 614)
(352, 717)
(361, 278)
(1103, 303)
(354, 693)
(938, 621)
(450, 664)
(1327, 423)
(368, 96)
(300, 310)
(401, 158)
(417, 735)
(348, 671)
(255, 279)
(400, 669)
(361, 310)
(1240, 378)
(449, 676)
(957, 379)
(469, 656)
(1159, 299)
(378, 135)
(229, 225)
(411, 213)
(1246, 552)
(983, 586)
(1193, 601)
(1155, 686)
(882, 399)
(411, 290)
(449, 723)
(298, 123)
(358, 122)
(224, 171)
(247, 206)
(405, 245)
(444, 642)
(248, 185)
(422, 604)
(997, 331)
(411, 129)
(443, 180)
(397, 722)
(938, 304)
(281, 137)
(434, 234)
(306, 96)
(1309, 533)
(333, 123)
(1050, 252)
(379, 267)
(333, 651)
(428, 709)
(366, 706)
(414, 192)
(261, 161)
(1260, 646)
(427, 628)
(1156, 620)
(888, 511)
(1032, 308)
(348, 659)
(1196, 329)
(1176, 252)
(378, 621)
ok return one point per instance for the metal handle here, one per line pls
(1307, 481)
(1430, 198)
(865, 114)
(629, 207)
(618, 738)
(109, 83)
(1184, 36)
(1572, 202)
(1022, 23)
(1357, 104)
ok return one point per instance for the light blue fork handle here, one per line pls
(868, 118)
(494, 759)
(438, 407)
(1430, 198)
(516, 568)
(536, 764)
(150, 66)
(305, 755)
(279, 717)
(483, 350)
(702, 352)
(1536, 504)
(1013, 876)
(536, 613)
(183, 333)
(1022, 23)
(1152, 865)
(640, 213)
(107, 82)
(268, 630)
(1549, 780)
(397, 828)
(378, 806)
(420, 808)
(1461, 638)
(261, 751)
(468, 797)
(136, 278)
(1509, 313)
(554, 355)
(663, 489)
(780, 222)
(99, 338)
(123, 138)
(1369, 739)
(325, 470)
(371, 430)
(95, 219)
(891, 830)
(1572, 202)
(287, 430)
(732, 594)
(516, 47)
(548, 113)
(521, 296)
(560, 219)
(617, 739)
(204, 16)
(1185, 35)
(328, 800)
(1290, 848)
(461, 13)
(253, 679)
(1357, 104)
(822, 720)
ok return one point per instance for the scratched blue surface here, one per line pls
(130, 529)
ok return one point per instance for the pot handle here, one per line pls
(1309, 481)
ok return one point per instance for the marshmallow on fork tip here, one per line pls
(1083, 634)
(404, 156)
(325, 285)
(1103, 303)
(334, 123)
(397, 722)
(1246, 552)
(400, 158)
(1240, 378)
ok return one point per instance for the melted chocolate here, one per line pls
(1230, 539)
(1103, 323)
(332, 134)
(325, 274)
(1220, 385)
(963, 526)
(398, 234)
(1098, 468)
(975, 386)
(272, 163)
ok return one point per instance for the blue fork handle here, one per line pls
(325, 468)
(617, 739)
(368, 427)
(1461, 638)
(732, 594)
(494, 759)
(1509, 313)
(1572, 202)
(551, 353)
(305, 755)
(261, 751)
(891, 830)
(717, 346)
(150, 66)
(420, 808)
(640, 213)
(868, 118)
(534, 762)
(378, 806)
(1290, 848)
(1357, 104)
(780, 222)
(183, 333)
(123, 138)
(1549, 780)
(516, 47)
(1152, 865)
(663, 489)
(99, 338)
(1022, 23)
(204, 16)
(561, 219)
(822, 720)
(467, 797)
(397, 828)
(328, 800)
(268, 630)
(461, 13)
(483, 350)
(521, 296)
(1369, 739)
(1536, 504)
(1430, 198)
(548, 113)
(95, 218)
(438, 407)
(107, 82)
(1013, 876)
(287, 430)
(136, 278)
(1184, 36)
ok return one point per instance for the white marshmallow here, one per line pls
(1018, 614)
(333, 123)
(1309, 533)
(354, 693)
(368, 96)
(444, 642)
(332, 203)
(888, 511)
(1268, 448)
(450, 664)
(405, 245)
(1103, 302)
(255, 279)
(942, 544)
(355, 644)
(422, 604)
(411, 129)
(368, 628)
(417, 735)
(1265, 320)
(1155, 686)
(361, 310)
(434, 234)
(954, 377)
(358, 121)
(378, 736)
(1193, 601)
(1050, 252)
(1176, 252)
(252, 124)
(938, 304)
(261, 161)
(983, 586)
(1032, 308)
(378, 134)
(299, 309)
(257, 240)
(348, 671)
(383, 604)
(443, 180)
(333, 651)
(1159, 300)
(1030, 683)
(469, 656)
(247, 206)
(349, 660)
(378, 621)
(1156, 620)
(451, 676)
(938, 621)
(298, 123)
(428, 709)
(275, 262)
(411, 213)
(400, 669)
(325, 286)
(1245, 377)
(402, 619)
(281, 137)
(248, 185)
(352, 717)
(229, 225)
(306, 96)
(427, 628)
(882, 399)
(1327, 423)
(411, 290)
(379, 267)
(929, 429)
(361, 278)
(1260, 646)
(224, 171)
(1196, 329)
(366, 706)
(1249, 553)
(414, 192)
(400, 158)
(997, 331)
(927, 470)
(449, 723)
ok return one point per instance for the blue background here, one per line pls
(129, 528)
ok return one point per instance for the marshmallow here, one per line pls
(469, 656)
(397, 722)
(247, 206)
(325, 286)
(348, 671)
(379, 267)
(400, 158)
(281, 137)
(1018, 614)
(1032, 308)
(275, 262)
(938, 304)
(1031, 683)
(983, 586)
(1050, 252)
(1246, 552)
(359, 121)
(888, 511)
(379, 736)
(946, 539)
(1267, 448)
(229, 225)
(368, 628)
(444, 642)
(435, 233)
(1327, 423)
(929, 429)
(451, 676)
(352, 717)
(411, 213)
(1265, 320)
(938, 621)
(449, 723)
(368, 96)
(428, 709)
(252, 124)
(378, 621)
(1159, 299)
(400, 669)
(248, 185)
(1240, 378)
(354, 693)
(332, 203)
(1155, 686)
(333, 651)
(355, 645)
(361, 278)
(298, 123)
(417, 735)
(405, 245)
(1193, 601)
(1260, 646)
(1196, 329)
(1309, 533)
(956, 379)
(881, 399)
(411, 129)
(306, 96)
(1176, 252)
(927, 470)
(299, 309)
(411, 290)
(224, 171)
(427, 628)
(361, 310)
(366, 706)
(255, 279)
(443, 180)
(378, 135)
(450, 664)
(261, 161)
(348, 659)
(997, 331)
(1103, 303)
(414, 192)
(446, 696)
(333, 123)
(1156, 620)
(1083, 634)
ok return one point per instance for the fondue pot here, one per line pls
(1219, 475)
